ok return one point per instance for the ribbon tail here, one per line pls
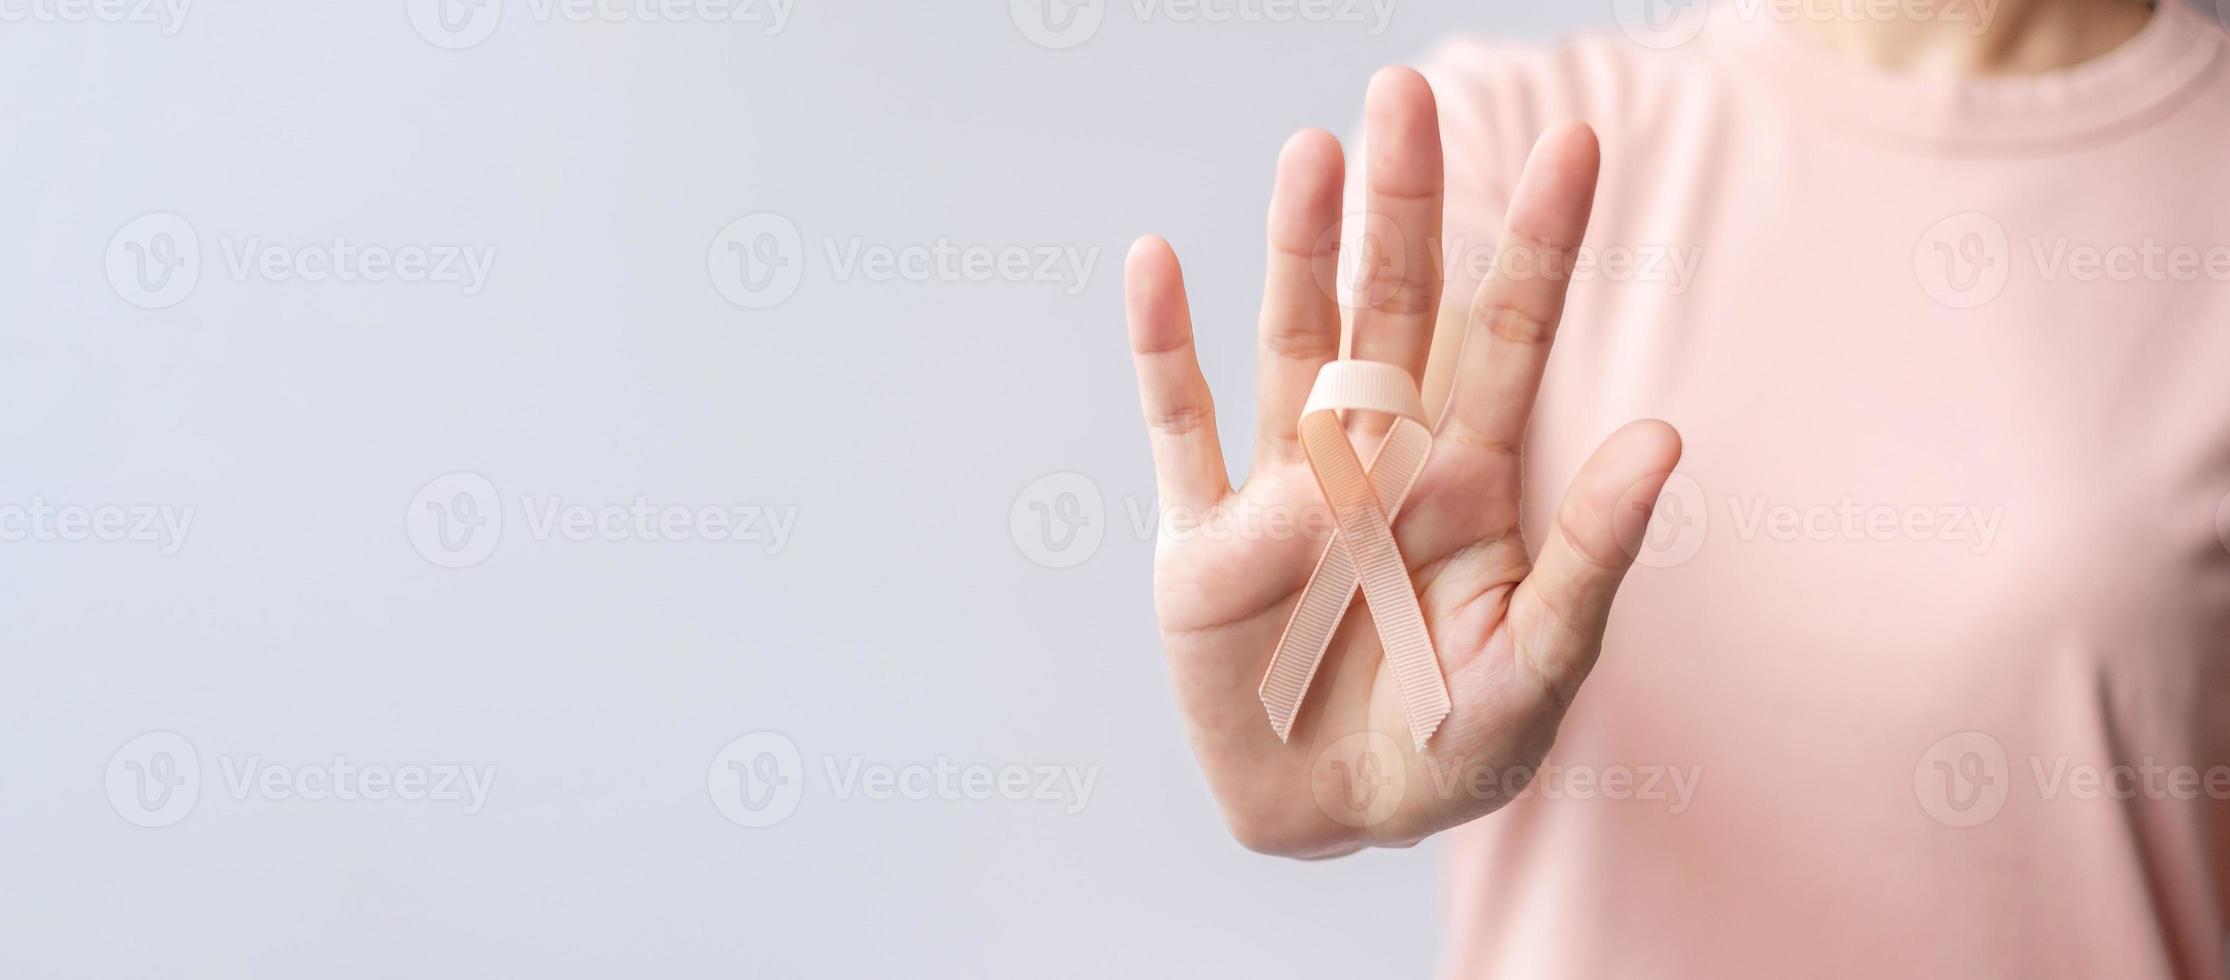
(1308, 633)
(1362, 551)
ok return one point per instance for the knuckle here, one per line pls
(1407, 296)
(1468, 436)
(1504, 320)
(1180, 420)
(1301, 343)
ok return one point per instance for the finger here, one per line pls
(1561, 607)
(1397, 288)
(1514, 316)
(1300, 314)
(1180, 417)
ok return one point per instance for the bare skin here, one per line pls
(1516, 630)
(1516, 635)
(1977, 37)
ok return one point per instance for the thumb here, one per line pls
(1563, 604)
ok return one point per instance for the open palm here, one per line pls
(1516, 632)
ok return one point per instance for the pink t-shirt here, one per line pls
(1923, 672)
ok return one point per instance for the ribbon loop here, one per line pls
(1362, 552)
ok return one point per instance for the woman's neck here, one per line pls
(1959, 38)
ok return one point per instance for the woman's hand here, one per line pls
(1515, 635)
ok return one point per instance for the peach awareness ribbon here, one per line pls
(1362, 551)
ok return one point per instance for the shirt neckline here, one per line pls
(2000, 114)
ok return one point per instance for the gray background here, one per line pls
(909, 616)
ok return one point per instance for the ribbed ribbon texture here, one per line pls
(1361, 552)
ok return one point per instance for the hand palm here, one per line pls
(1514, 635)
